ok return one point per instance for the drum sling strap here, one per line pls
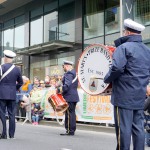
(6, 73)
(75, 78)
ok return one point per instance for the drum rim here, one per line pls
(106, 47)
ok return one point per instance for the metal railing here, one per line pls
(28, 104)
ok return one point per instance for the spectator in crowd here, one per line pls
(8, 89)
(25, 103)
(70, 94)
(42, 84)
(59, 81)
(47, 81)
(36, 95)
(129, 75)
(25, 90)
(36, 81)
(18, 98)
(53, 83)
(37, 112)
(147, 117)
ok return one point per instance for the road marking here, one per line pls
(64, 149)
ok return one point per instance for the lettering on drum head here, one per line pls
(93, 65)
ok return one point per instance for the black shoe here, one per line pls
(3, 137)
(12, 137)
(70, 134)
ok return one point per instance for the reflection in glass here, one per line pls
(142, 11)
(112, 22)
(8, 39)
(51, 26)
(67, 21)
(142, 15)
(67, 31)
(36, 33)
(93, 19)
(19, 37)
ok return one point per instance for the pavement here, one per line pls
(83, 126)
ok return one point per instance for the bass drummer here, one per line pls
(129, 75)
(69, 91)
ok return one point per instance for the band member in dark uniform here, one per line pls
(129, 75)
(70, 94)
(8, 86)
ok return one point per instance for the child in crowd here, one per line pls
(147, 117)
(37, 112)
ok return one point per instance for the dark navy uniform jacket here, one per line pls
(8, 84)
(129, 73)
(69, 89)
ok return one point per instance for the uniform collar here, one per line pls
(129, 38)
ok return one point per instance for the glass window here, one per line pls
(19, 37)
(8, 39)
(112, 14)
(93, 20)
(142, 15)
(37, 12)
(66, 21)
(112, 21)
(9, 23)
(51, 26)
(51, 6)
(36, 31)
(142, 11)
(47, 65)
(20, 19)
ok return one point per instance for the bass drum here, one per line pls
(93, 65)
(1, 127)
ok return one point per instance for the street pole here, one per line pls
(121, 19)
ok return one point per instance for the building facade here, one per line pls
(45, 32)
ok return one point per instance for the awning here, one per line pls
(40, 48)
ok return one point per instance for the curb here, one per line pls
(82, 126)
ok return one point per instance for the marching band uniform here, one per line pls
(70, 94)
(129, 75)
(8, 89)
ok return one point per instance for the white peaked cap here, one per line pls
(9, 54)
(133, 26)
(66, 62)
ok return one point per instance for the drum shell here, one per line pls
(58, 103)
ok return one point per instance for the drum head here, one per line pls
(93, 65)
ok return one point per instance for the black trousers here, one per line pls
(70, 118)
(10, 105)
(129, 123)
